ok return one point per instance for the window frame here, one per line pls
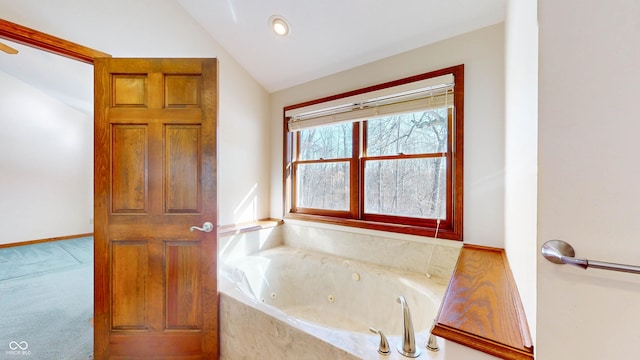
(353, 179)
(449, 228)
(407, 220)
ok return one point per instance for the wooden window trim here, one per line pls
(449, 229)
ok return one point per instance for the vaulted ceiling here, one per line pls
(329, 36)
(326, 37)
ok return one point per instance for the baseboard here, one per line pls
(31, 242)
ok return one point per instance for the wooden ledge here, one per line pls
(482, 309)
(233, 229)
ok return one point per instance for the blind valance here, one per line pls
(428, 94)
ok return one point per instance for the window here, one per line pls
(387, 157)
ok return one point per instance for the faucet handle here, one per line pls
(383, 348)
(432, 343)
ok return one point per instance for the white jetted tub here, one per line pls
(287, 303)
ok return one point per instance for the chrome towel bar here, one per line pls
(560, 252)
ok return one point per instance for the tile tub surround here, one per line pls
(245, 243)
(435, 257)
(247, 332)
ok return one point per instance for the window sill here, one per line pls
(371, 225)
(482, 309)
(233, 229)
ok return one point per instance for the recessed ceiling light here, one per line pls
(279, 25)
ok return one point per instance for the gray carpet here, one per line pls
(46, 301)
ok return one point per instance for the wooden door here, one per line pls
(155, 178)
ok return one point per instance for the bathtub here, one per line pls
(287, 303)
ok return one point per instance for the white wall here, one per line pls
(521, 148)
(588, 192)
(162, 28)
(46, 165)
(482, 52)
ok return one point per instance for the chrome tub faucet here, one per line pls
(408, 346)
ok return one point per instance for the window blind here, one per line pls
(433, 93)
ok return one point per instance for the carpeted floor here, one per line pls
(46, 300)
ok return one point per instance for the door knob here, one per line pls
(206, 227)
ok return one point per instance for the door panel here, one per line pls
(155, 177)
(129, 178)
(129, 266)
(182, 164)
(182, 279)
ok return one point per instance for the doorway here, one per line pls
(161, 307)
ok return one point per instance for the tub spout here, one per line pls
(383, 348)
(408, 346)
